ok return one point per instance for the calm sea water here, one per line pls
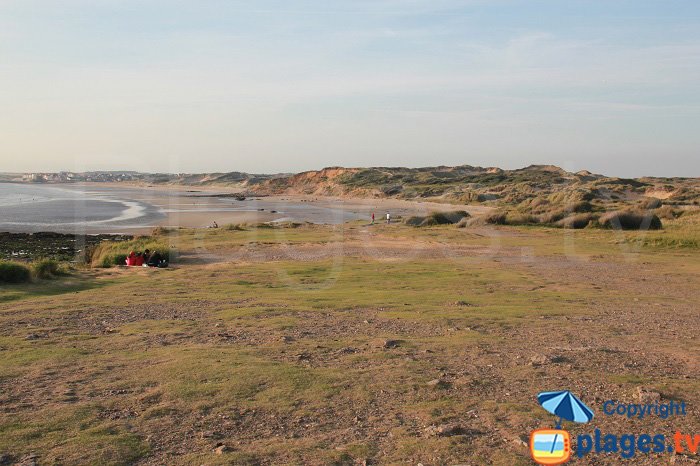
(32, 208)
(109, 209)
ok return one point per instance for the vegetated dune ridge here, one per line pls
(537, 194)
(476, 184)
(458, 184)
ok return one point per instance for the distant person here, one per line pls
(157, 260)
(388, 218)
(131, 259)
(146, 257)
(372, 218)
(138, 260)
(214, 224)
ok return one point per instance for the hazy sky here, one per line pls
(612, 86)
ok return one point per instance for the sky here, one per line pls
(610, 86)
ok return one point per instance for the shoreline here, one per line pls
(181, 207)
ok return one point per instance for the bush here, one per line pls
(580, 207)
(448, 218)
(516, 218)
(630, 220)
(495, 218)
(650, 203)
(492, 218)
(576, 221)
(553, 216)
(14, 272)
(437, 218)
(163, 231)
(667, 212)
(234, 227)
(538, 202)
(111, 253)
(415, 221)
(46, 268)
(110, 260)
(428, 222)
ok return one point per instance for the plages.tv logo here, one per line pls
(553, 446)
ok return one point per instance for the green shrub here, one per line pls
(14, 272)
(538, 202)
(553, 216)
(576, 221)
(495, 218)
(428, 222)
(449, 218)
(516, 218)
(491, 218)
(415, 220)
(630, 220)
(46, 268)
(163, 231)
(111, 253)
(580, 207)
(110, 260)
(437, 218)
(234, 227)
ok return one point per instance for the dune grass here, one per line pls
(14, 272)
(111, 253)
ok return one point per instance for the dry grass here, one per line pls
(285, 360)
(630, 220)
(438, 218)
(576, 221)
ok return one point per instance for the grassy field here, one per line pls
(336, 345)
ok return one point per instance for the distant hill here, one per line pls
(468, 184)
(525, 188)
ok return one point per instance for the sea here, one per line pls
(90, 209)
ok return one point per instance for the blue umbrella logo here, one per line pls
(565, 405)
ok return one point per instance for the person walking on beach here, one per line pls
(372, 218)
(388, 218)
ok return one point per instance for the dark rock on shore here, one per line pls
(59, 246)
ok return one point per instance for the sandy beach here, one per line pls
(109, 208)
(196, 207)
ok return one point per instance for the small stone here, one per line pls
(519, 442)
(446, 430)
(287, 339)
(220, 449)
(645, 395)
(539, 360)
(438, 383)
(392, 344)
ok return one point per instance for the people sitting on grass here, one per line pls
(147, 259)
(155, 259)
